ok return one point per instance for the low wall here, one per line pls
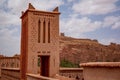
(59, 77)
(9, 62)
(38, 77)
(65, 74)
(101, 71)
(76, 73)
(10, 74)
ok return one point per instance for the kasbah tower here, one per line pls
(40, 39)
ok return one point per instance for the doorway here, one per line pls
(45, 60)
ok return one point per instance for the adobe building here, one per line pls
(40, 39)
(101, 70)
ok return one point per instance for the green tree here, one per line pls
(65, 63)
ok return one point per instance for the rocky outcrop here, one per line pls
(86, 50)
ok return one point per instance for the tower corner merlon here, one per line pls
(30, 6)
(56, 9)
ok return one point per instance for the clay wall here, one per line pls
(10, 74)
(38, 77)
(75, 73)
(9, 62)
(65, 73)
(101, 71)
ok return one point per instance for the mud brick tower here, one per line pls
(40, 39)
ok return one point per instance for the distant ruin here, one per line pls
(86, 50)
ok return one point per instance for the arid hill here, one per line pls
(86, 50)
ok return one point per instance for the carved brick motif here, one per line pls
(33, 33)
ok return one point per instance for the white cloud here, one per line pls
(85, 7)
(17, 6)
(107, 41)
(76, 26)
(20, 5)
(9, 44)
(116, 25)
(70, 0)
(112, 21)
(7, 19)
(46, 4)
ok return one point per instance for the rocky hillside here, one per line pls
(86, 50)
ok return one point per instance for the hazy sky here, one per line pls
(94, 19)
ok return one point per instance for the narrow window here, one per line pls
(49, 32)
(44, 32)
(39, 28)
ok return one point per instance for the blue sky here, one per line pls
(93, 19)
